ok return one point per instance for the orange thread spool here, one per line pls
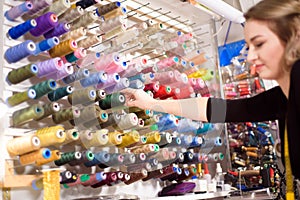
(41, 155)
(63, 48)
(55, 155)
(22, 145)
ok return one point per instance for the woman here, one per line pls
(272, 33)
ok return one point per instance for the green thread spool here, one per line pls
(112, 100)
(60, 93)
(82, 96)
(27, 114)
(86, 156)
(68, 157)
(21, 74)
(208, 75)
(49, 109)
(66, 115)
(44, 87)
(21, 97)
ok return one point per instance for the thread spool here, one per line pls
(21, 97)
(19, 30)
(49, 109)
(35, 156)
(127, 36)
(55, 155)
(27, 114)
(45, 45)
(82, 178)
(51, 135)
(99, 157)
(67, 177)
(103, 9)
(65, 115)
(94, 178)
(22, 145)
(20, 51)
(71, 14)
(49, 66)
(63, 48)
(151, 120)
(45, 23)
(18, 11)
(136, 176)
(94, 79)
(115, 138)
(77, 75)
(153, 137)
(74, 34)
(111, 80)
(86, 156)
(109, 24)
(129, 138)
(38, 5)
(112, 100)
(66, 71)
(84, 20)
(116, 159)
(58, 7)
(90, 41)
(72, 135)
(43, 88)
(82, 96)
(110, 177)
(116, 31)
(127, 121)
(112, 119)
(60, 93)
(22, 73)
(122, 84)
(166, 139)
(58, 30)
(67, 157)
(139, 166)
(99, 138)
(129, 158)
(146, 148)
(74, 56)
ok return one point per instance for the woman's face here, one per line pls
(266, 50)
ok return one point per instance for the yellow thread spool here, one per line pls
(22, 145)
(71, 136)
(114, 138)
(51, 179)
(90, 41)
(63, 48)
(21, 97)
(99, 138)
(40, 155)
(55, 155)
(129, 138)
(153, 137)
(75, 34)
(51, 135)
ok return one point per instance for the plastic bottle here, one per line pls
(219, 176)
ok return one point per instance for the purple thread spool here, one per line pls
(39, 5)
(112, 79)
(20, 51)
(64, 72)
(45, 23)
(21, 29)
(49, 66)
(94, 79)
(46, 45)
(122, 84)
(18, 11)
(59, 30)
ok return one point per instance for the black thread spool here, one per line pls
(85, 157)
(68, 177)
(85, 3)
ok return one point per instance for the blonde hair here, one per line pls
(283, 18)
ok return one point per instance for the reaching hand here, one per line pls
(138, 98)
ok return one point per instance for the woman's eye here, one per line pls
(259, 44)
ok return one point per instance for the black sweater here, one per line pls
(269, 105)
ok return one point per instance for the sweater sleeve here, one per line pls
(269, 105)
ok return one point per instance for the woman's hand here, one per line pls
(138, 98)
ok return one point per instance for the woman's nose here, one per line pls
(251, 56)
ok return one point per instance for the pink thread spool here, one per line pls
(88, 59)
(185, 92)
(106, 60)
(164, 77)
(64, 72)
(167, 62)
(182, 38)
